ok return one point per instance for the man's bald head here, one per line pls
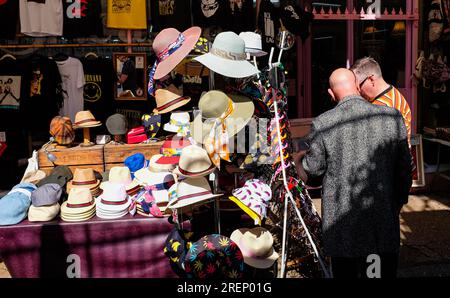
(343, 83)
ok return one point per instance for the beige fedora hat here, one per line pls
(169, 99)
(215, 103)
(84, 178)
(194, 162)
(256, 246)
(190, 192)
(79, 205)
(157, 167)
(43, 213)
(85, 119)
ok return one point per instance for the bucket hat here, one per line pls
(45, 195)
(253, 198)
(85, 119)
(117, 124)
(253, 43)
(62, 130)
(194, 162)
(152, 124)
(14, 205)
(169, 99)
(177, 245)
(43, 213)
(79, 206)
(214, 256)
(227, 57)
(256, 246)
(136, 162)
(179, 123)
(170, 47)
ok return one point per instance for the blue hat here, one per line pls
(14, 206)
(136, 162)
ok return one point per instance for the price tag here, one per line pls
(212, 176)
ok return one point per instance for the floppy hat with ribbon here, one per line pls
(169, 99)
(171, 150)
(227, 57)
(85, 119)
(136, 162)
(43, 213)
(214, 256)
(190, 192)
(113, 202)
(117, 124)
(179, 123)
(45, 195)
(14, 205)
(79, 206)
(256, 246)
(62, 130)
(170, 47)
(194, 162)
(84, 178)
(253, 198)
(253, 43)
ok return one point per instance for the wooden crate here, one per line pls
(115, 155)
(74, 157)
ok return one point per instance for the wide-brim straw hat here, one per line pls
(227, 57)
(85, 119)
(212, 104)
(168, 100)
(256, 246)
(167, 37)
(43, 213)
(194, 162)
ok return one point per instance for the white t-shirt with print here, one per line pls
(41, 17)
(72, 76)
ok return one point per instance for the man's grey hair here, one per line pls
(365, 67)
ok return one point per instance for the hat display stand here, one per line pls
(87, 138)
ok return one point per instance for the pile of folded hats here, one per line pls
(113, 202)
(80, 205)
(85, 178)
(45, 202)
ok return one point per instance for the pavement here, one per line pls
(425, 236)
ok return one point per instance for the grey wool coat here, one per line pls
(362, 152)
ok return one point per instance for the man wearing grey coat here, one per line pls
(361, 150)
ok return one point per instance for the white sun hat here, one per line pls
(253, 43)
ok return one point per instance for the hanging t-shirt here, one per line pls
(126, 14)
(241, 16)
(268, 23)
(98, 89)
(41, 17)
(296, 19)
(42, 96)
(72, 76)
(9, 12)
(170, 14)
(82, 18)
(208, 13)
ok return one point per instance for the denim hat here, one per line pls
(47, 194)
(14, 206)
(136, 162)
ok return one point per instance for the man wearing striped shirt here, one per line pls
(375, 89)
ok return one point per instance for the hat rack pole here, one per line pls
(86, 138)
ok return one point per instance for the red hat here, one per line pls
(171, 150)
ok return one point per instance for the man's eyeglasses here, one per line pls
(362, 83)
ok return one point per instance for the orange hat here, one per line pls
(62, 130)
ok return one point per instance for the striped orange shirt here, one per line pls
(391, 97)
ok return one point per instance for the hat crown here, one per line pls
(182, 117)
(213, 104)
(252, 40)
(79, 196)
(192, 186)
(164, 39)
(257, 241)
(229, 42)
(47, 192)
(62, 130)
(84, 175)
(151, 178)
(114, 192)
(163, 96)
(194, 159)
(116, 123)
(135, 162)
(84, 115)
(120, 175)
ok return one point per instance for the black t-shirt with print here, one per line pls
(209, 13)
(82, 18)
(9, 14)
(268, 24)
(98, 88)
(170, 14)
(296, 19)
(241, 16)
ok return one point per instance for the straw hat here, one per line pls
(168, 100)
(162, 42)
(120, 175)
(158, 167)
(113, 202)
(62, 130)
(190, 192)
(256, 246)
(43, 213)
(79, 206)
(84, 178)
(179, 123)
(194, 162)
(85, 119)
(227, 57)
(215, 103)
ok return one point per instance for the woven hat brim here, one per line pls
(175, 106)
(228, 68)
(203, 174)
(88, 125)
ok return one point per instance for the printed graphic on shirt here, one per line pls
(92, 91)
(10, 90)
(121, 6)
(36, 83)
(269, 28)
(209, 7)
(166, 7)
(77, 9)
